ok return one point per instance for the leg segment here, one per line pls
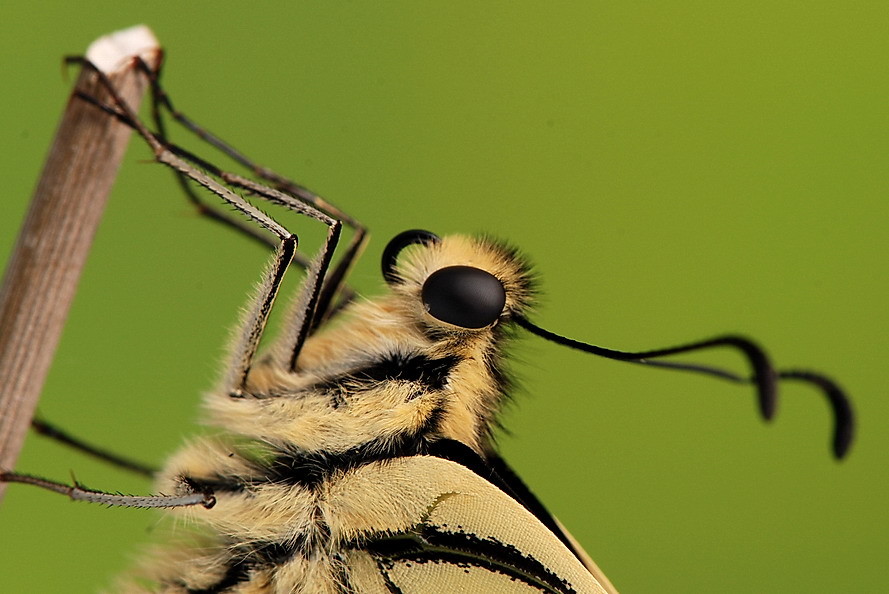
(77, 492)
(53, 432)
(334, 282)
(255, 321)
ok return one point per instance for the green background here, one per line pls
(675, 170)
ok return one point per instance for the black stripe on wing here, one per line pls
(465, 551)
(496, 471)
(310, 469)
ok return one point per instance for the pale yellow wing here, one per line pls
(423, 525)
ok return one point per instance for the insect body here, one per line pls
(356, 454)
(370, 468)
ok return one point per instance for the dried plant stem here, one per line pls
(41, 277)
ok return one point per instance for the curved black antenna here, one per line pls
(764, 377)
(841, 406)
(398, 243)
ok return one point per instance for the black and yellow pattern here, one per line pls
(355, 455)
(371, 468)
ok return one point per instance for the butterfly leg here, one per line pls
(334, 292)
(78, 492)
(42, 427)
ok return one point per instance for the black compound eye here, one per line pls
(464, 296)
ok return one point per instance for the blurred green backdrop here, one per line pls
(675, 171)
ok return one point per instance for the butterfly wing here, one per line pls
(424, 524)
